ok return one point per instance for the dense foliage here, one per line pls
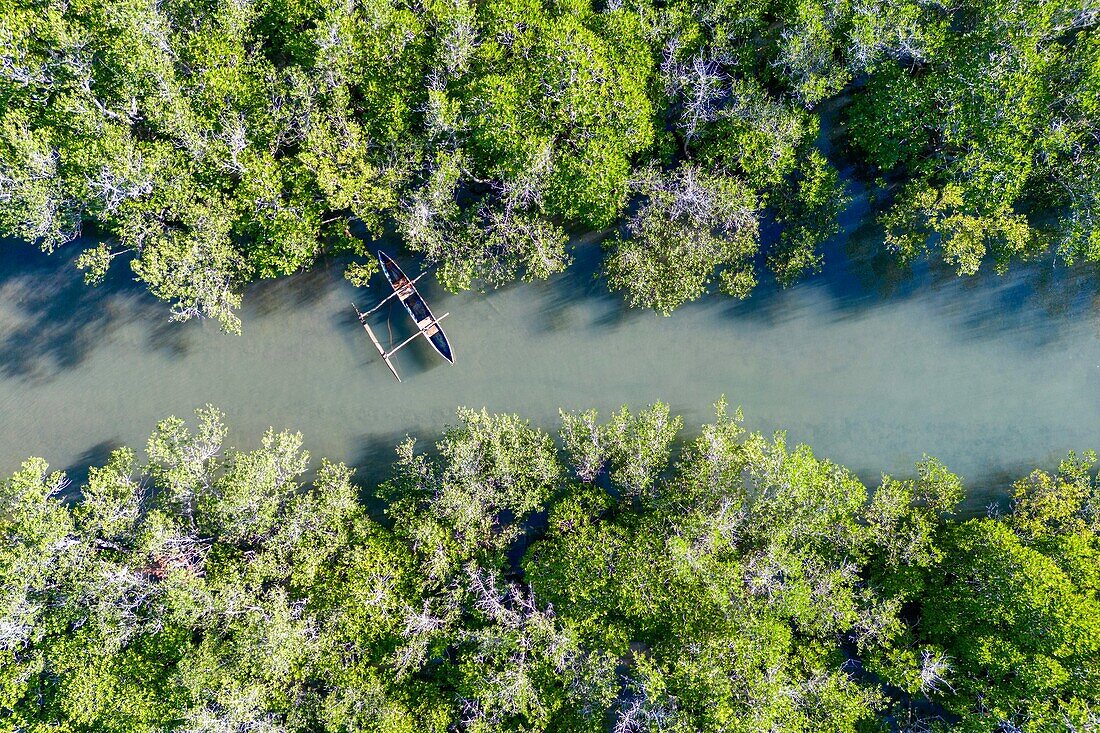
(633, 581)
(213, 143)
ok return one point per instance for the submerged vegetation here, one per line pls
(630, 581)
(213, 143)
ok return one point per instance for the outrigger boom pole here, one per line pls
(409, 340)
(378, 345)
(374, 340)
(383, 301)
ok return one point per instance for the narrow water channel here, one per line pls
(872, 368)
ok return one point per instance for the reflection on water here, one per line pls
(872, 365)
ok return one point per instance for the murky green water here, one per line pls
(992, 375)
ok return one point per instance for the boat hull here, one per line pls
(416, 307)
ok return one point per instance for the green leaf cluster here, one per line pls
(636, 581)
(208, 145)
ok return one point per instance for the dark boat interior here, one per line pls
(416, 306)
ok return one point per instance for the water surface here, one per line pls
(871, 367)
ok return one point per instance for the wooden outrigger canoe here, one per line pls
(427, 324)
(417, 308)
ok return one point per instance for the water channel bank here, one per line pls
(873, 369)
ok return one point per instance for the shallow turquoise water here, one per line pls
(992, 375)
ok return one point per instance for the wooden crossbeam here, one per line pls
(383, 301)
(421, 332)
(404, 343)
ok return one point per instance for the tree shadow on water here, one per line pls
(51, 321)
(1035, 302)
(286, 294)
(374, 464)
(78, 471)
(351, 332)
(580, 296)
(174, 339)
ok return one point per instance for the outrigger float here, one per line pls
(427, 324)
